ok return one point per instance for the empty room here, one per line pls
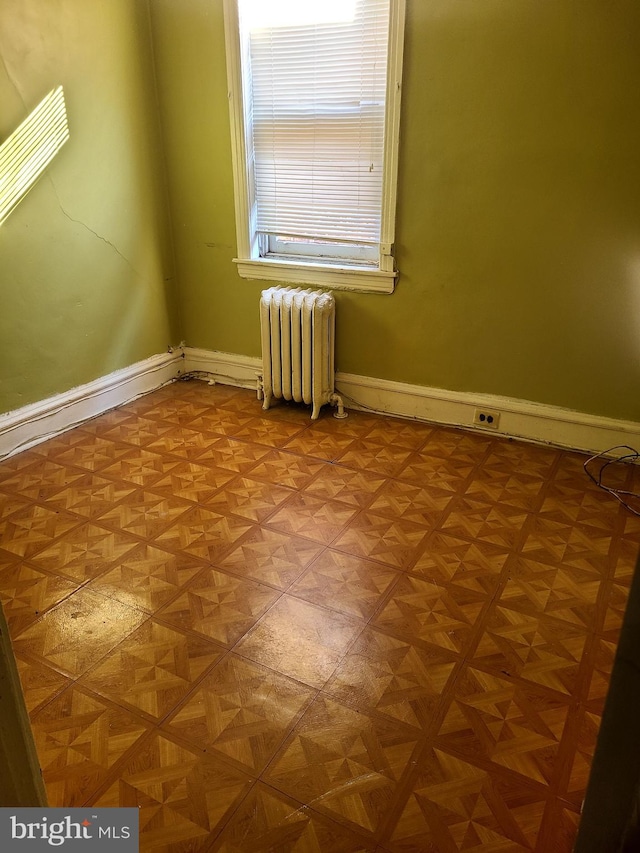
(320, 421)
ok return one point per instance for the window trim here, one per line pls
(380, 278)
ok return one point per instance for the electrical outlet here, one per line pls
(488, 418)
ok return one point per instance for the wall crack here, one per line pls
(91, 231)
(11, 78)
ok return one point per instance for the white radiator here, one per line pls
(298, 335)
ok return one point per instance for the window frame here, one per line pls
(377, 277)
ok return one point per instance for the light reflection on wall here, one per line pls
(30, 149)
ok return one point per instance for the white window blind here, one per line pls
(316, 118)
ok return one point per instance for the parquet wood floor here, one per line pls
(274, 636)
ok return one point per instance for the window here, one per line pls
(314, 93)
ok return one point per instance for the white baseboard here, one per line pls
(518, 418)
(225, 367)
(37, 422)
(28, 426)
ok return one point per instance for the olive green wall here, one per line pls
(85, 260)
(518, 234)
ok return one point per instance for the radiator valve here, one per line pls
(336, 400)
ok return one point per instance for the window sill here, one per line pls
(334, 276)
